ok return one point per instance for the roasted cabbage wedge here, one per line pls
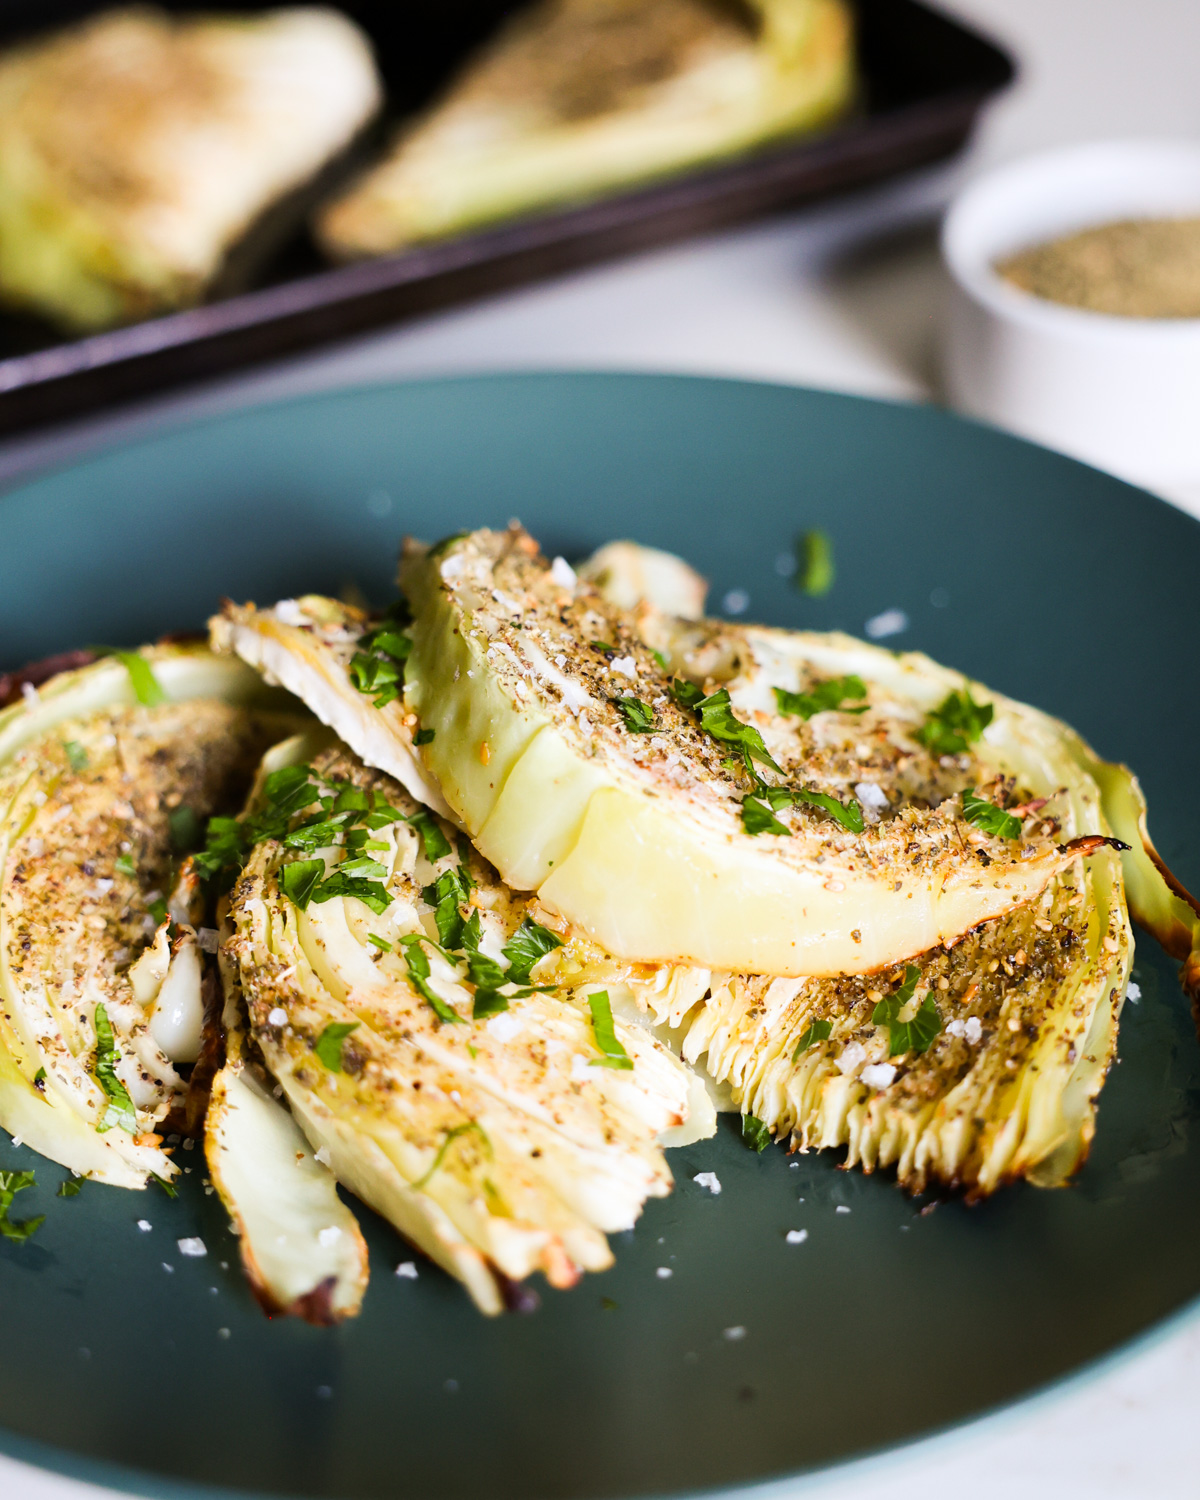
(976, 1064)
(673, 818)
(337, 660)
(411, 1008)
(143, 156)
(578, 97)
(101, 995)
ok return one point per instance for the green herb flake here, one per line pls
(718, 719)
(424, 736)
(527, 945)
(824, 698)
(12, 1183)
(755, 1134)
(848, 814)
(124, 865)
(816, 1031)
(815, 571)
(433, 840)
(298, 881)
(381, 943)
(377, 667)
(488, 1002)
(986, 815)
(615, 1055)
(120, 1109)
(68, 1189)
(158, 910)
(449, 892)
(77, 757)
(146, 687)
(956, 723)
(916, 1035)
(417, 962)
(167, 1187)
(184, 825)
(39, 1077)
(757, 818)
(660, 659)
(340, 885)
(469, 1127)
(329, 1044)
(638, 716)
(685, 693)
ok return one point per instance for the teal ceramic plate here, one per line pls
(124, 1362)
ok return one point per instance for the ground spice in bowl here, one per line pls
(1135, 268)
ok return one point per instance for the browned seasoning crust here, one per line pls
(75, 919)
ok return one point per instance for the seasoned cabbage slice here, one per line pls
(983, 1068)
(93, 787)
(409, 1006)
(578, 97)
(733, 833)
(322, 650)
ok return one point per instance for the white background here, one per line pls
(844, 297)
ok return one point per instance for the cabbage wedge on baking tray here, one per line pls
(427, 1033)
(574, 98)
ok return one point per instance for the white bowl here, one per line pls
(1121, 393)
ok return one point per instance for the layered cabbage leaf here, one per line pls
(107, 774)
(410, 1007)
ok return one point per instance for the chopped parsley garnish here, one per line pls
(754, 1133)
(120, 1109)
(369, 892)
(166, 1186)
(329, 1044)
(377, 667)
(529, 943)
(659, 658)
(12, 1183)
(468, 1127)
(816, 1031)
(433, 840)
(916, 1035)
(638, 716)
(825, 696)
(815, 571)
(488, 1002)
(77, 757)
(757, 818)
(146, 687)
(185, 830)
(381, 943)
(424, 736)
(124, 865)
(417, 962)
(451, 891)
(299, 880)
(718, 719)
(685, 693)
(615, 1056)
(848, 814)
(989, 817)
(40, 1076)
(955, 724)
(68, 1189)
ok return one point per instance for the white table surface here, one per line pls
(844, 297)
